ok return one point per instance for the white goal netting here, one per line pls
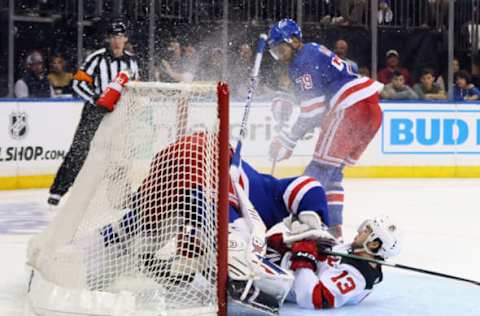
(138, 232)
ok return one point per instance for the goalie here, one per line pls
(257, 202)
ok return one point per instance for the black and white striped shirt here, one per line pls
(99, 69)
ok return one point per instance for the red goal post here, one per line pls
(145, 227)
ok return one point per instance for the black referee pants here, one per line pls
(91, 118)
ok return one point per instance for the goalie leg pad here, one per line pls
(255, 270)
(247, 294)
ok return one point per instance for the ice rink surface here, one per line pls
(439, 220)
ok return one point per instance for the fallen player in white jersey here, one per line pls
(329, 282)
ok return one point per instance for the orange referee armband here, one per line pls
(81, 75)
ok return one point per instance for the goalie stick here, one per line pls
(399, 266)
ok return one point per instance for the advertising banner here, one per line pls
(431, 132)
(427, 134)
(34, 136)
(416, 139)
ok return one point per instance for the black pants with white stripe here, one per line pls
(91, 118)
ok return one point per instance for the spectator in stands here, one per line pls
(171, 68)
(341, 49)
(352, 11)
(464, 90)
(60, 80)
(245, 53)
(397, 89)
(190, 58)
(427, 89)
(385, 13)
(393, 64)
(212, 64)
(35, 82)
(440, 79)
(437, 14)
(456, 68)
(456, 65)
(364, 71)
(240, 73)
(476, 70)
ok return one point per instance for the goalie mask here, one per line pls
(384, 231)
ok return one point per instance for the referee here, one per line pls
(98, 70)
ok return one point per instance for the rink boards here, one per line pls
(417, 139)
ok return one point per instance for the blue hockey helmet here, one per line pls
(283, 31)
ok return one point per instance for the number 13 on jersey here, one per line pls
(344, 282)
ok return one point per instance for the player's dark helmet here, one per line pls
(283, 31)
(117, 28)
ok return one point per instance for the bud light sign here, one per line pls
(431, 132)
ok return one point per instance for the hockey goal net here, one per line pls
(143, 231)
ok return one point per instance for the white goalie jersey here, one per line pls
(335, 283)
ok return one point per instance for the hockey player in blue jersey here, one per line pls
(335, 98)
(275, 199)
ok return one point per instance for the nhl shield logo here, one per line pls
(18, 125)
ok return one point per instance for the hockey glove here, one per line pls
(110, 97)
(304, 255)
(281, 147)
(307, 225)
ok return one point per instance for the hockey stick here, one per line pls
(399, 266)
(262, 43)
(274, 163)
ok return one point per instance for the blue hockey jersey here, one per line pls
(274, 199)
(322, 78)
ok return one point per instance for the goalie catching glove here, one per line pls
(110, 97)
(307, 236)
